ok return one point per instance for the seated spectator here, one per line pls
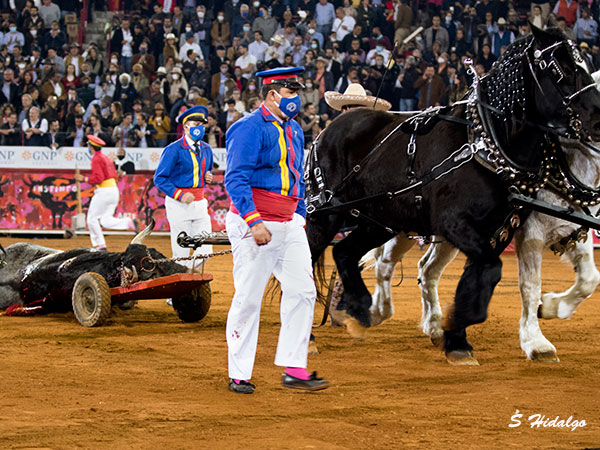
(229, 116)
(146, 59)
(53, 86)
(27, 83)
(221, 82)
(10, 131)
(57, 62)
(49, 12)
(220, 30)
(310, 94)
(586, 28)
(13, 37)
(116, 114)
(170, 49)
(190, 44)
(26, 103)
(34, 128)
(125, 93)
(258, 47)
(75, 58)
(95, 63)
(162, 126)
(50, 109)
(9, 92)
(138, 78)
(54, 38)
(176, 81)
(250, 91)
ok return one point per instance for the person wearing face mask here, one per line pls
(220, 31)
(106, 195)
(146, 59)
(378, 50)
(265, 23)
(265, 224)
(184, 169)
(13, 37)
(190, 44)
(240, 19)
(501, 38)
(124, 166)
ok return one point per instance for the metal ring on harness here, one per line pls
(149, 258)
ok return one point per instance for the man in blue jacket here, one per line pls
(265, 224)
(182, 173)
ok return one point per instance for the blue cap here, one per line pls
(198, 112)
(283, 76)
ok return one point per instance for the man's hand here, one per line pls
(187, 198)
(261, 234)
(208, 177)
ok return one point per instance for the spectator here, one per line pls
(501, 38)
(569, 9)
(240, 20)
(323, 82)
(376, 37)
(53, 86)
(536, 17)
(278, 49)
(177, 81)
(34, 21)
(544, 6)
(10, 131)
(54, 38)
(436, 33)
(34, 128)
(403, 21)
(70, 80)
(431, 88)
(233, 52)
(55, 138)
(116, 114)
(26, 103)
(366, 16)
(406, 80)
(213, 135)
(162, 126)
(249, 92)
(50, 109)
(142, 132)
(10, 91)
(486, 58)
(264, 23)
(378, 50)
(485, 7)
(201, 77)
(49, 12)
(76, 133)
(586, 28)
(74, 58)
(259, 47)
(202, 26)
(297, 51)
(95, 128)
(309, 121)
(125, 92)
(229, 116)
(13, 37)
(190, 44)
(246, 61)
(123, 166)
(220, 30)
(324, 16)
(240, 81)
(120, 132)
(247, 33)
(95, 63)
(170, 49)
(146, 60)
(178, 105)
(138, 78)
(56, 61)
(343, 24)
(221, 82)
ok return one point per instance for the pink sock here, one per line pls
(298, 372)
(100, 247)
(239, 381)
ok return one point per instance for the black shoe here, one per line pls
(313, 384)
(242, 388)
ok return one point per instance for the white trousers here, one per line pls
(193, 218)
(101, 214)
(287, 256)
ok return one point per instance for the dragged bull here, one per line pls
(43, 278)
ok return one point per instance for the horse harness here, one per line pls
(483, 146)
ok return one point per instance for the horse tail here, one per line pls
(322, 284)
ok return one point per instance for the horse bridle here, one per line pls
(558, 74)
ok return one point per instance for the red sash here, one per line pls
(272, 206)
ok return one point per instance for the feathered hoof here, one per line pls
(544, 357)
(355, 329)
(461, 358)
(448, 317)
(337, 316)
(312, 348)
(438, 341)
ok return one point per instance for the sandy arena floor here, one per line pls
(147, 380)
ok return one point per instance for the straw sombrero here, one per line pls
(355, 95)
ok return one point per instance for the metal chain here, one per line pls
(180, 258)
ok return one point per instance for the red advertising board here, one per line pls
(46, 200)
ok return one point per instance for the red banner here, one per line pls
(48, 201)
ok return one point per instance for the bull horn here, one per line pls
(142, 235)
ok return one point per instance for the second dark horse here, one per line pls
(541, 83)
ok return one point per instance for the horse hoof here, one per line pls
(448, 317)
(337, 317)
(312, 348)
(355, 329)
(437, 341)
(461, 358)
(544, 357)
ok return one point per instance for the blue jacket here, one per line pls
(265, 154)
(180, 167)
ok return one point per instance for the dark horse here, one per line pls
(366, 171)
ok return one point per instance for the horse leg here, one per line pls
(431, 267)
(356, 299)
(482, 272)
(391, 252)
(529, 256)
(587, 277)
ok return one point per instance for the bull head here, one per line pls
(142, 235)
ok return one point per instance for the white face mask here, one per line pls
(114, 61)
(220, 18)
(200, 14)
(175, 77)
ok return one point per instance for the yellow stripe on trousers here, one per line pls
(285, 171)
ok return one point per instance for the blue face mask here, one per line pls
(290, 106)
(197, 132)
(13, 29)
(260, 14)
(244, 14)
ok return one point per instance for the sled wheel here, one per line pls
(91, 299)
(194, 305)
